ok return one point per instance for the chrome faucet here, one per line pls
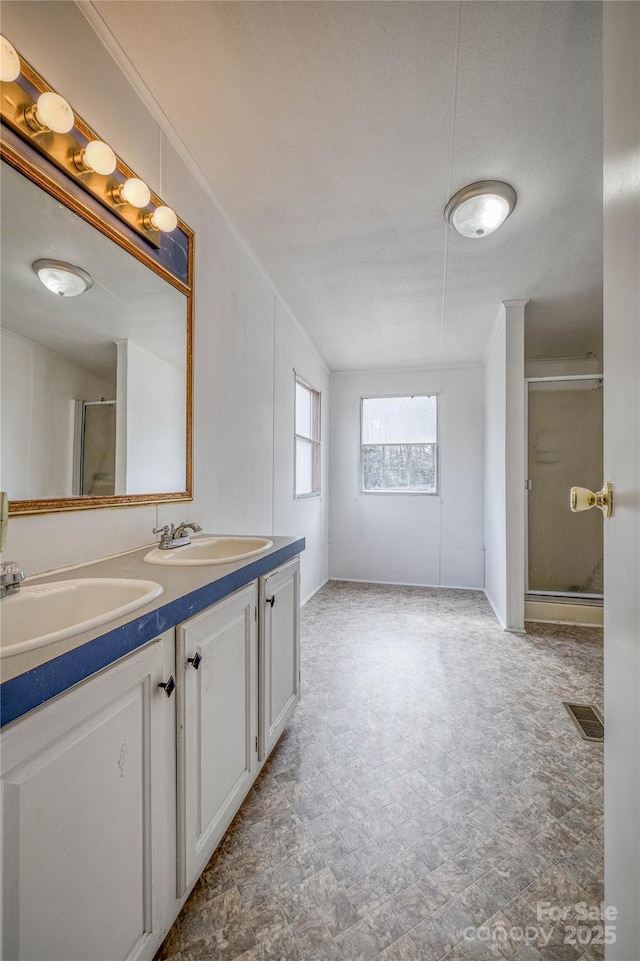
(171, 536)
(10, 576)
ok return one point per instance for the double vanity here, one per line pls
(129, 745)
(142, 693)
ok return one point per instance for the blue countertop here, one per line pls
(186, 591)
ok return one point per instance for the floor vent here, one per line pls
(587, 719)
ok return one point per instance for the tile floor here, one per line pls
(428, 797)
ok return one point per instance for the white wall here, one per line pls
(410, 538)
(495, 518)
(622, 468)
(240, 485)
(38, 388)
(303, 515)
(150, 391)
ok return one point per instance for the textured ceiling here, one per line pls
(333, 133)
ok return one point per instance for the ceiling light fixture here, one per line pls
(479, 209)
(9, 61)
(61, 278)
(96, 156)
(50, 112)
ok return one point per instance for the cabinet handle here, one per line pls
(271, 600)
(195, 660)
(169, 686)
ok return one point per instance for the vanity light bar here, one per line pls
(49, 124)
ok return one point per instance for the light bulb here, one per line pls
(53, 111)
(65, 280)
(99, 156)
(9, 61)
(480, 216)
(164, 219)
(135, 192)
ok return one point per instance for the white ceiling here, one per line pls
(334, 132)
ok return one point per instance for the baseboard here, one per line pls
(444, 587)
(550, 612)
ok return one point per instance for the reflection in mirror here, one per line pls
(94, 386)
(95, 452)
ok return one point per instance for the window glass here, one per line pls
(307, 440)
(398, 444)
(399, 420)
(304, 466)
(304, 413)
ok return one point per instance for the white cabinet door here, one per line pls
(279, 652)
(217, 724)
(79, 827)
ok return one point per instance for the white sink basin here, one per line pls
(41, 613)
(209, 550)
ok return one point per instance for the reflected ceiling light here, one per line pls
(96, 156)
(61, 278)
(132, 191)
(479, 209)
(9, 61)
(50, 112)
(163, 218)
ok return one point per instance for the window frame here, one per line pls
(435, 444)
(316, 441)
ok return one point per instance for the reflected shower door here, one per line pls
(98, 449)
(565, 432)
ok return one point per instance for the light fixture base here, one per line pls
(78, 159)
(31, 118)
(116, 195)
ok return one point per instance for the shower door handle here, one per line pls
(582, 499)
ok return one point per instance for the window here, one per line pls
(307, 453)
(398, 444)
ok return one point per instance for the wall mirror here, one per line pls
(96, 388)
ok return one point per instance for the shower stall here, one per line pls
(564, 449)
(95, 461)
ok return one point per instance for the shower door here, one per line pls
(565, 449)
(97, 449)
